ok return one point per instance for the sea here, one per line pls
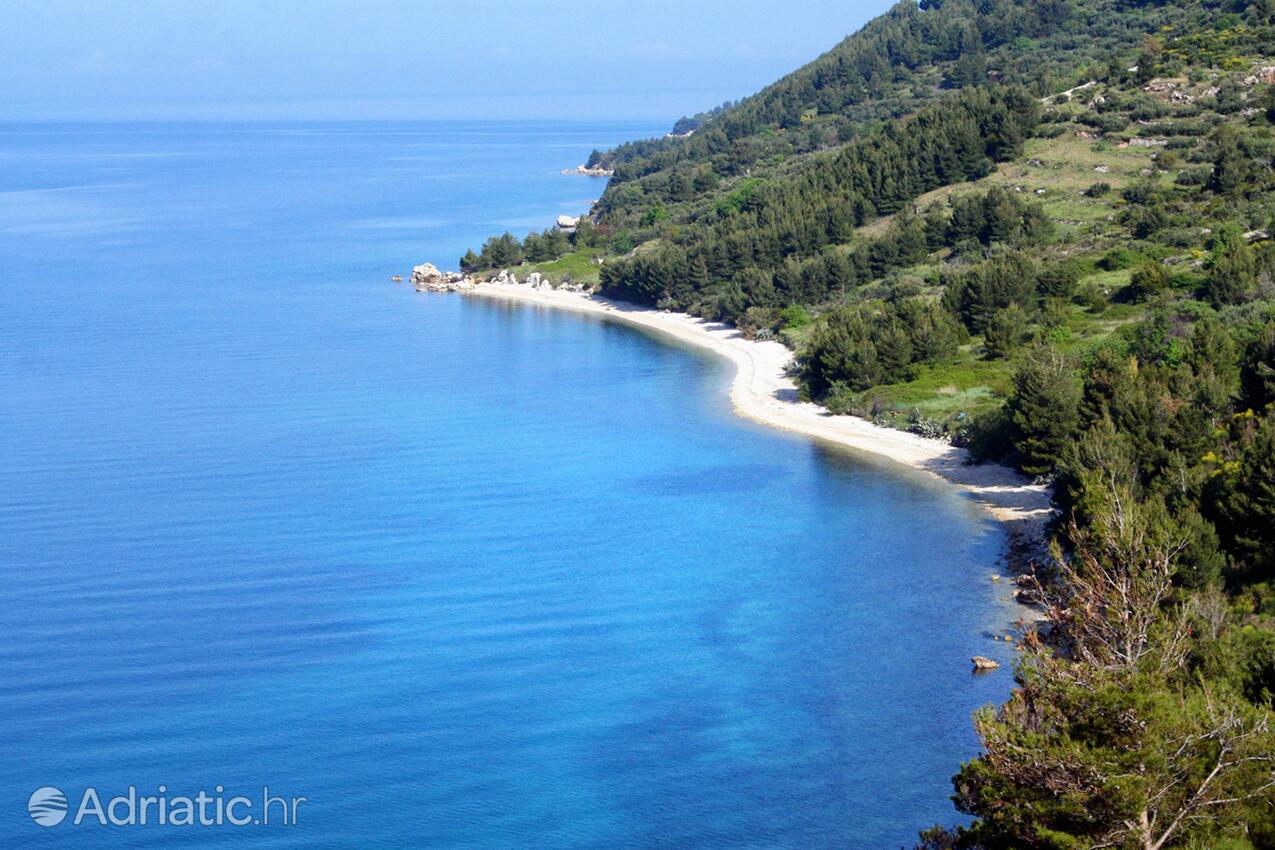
(367, 568)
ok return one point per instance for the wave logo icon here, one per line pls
(47, 806)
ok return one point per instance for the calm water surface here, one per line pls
(465, 575)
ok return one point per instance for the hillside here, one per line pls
(1041, 230)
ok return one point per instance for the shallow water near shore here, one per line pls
(464, 574)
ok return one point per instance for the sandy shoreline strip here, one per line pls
(763, 393)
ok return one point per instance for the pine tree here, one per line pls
(1004, 332)
(697, 274)
(1044, 409)
(1257, 374)
(1232, 170)
(1233, 272)
(1244, 502)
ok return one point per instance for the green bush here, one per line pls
(1119, 258)
(1148, 281)
(795, 316)
(988, 437)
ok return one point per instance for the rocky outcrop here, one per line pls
(426, 275)
(1263, 75)
(427, 278)
(589, 172)
(981, 663)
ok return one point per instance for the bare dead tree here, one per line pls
(1107, 598)
(1227, 762)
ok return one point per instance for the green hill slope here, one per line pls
(1041, 230)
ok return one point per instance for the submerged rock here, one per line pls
(981, 663)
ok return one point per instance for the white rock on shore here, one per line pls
(589, 172)
(427, 278)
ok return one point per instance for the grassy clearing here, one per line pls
(1109, 282)
(579, 266)
(1056, 172)
(945, 390)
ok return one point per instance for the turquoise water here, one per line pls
(462, 574)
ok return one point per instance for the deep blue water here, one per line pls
(465, 575)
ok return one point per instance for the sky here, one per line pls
(402, 59)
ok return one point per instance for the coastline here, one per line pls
(762, 392)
